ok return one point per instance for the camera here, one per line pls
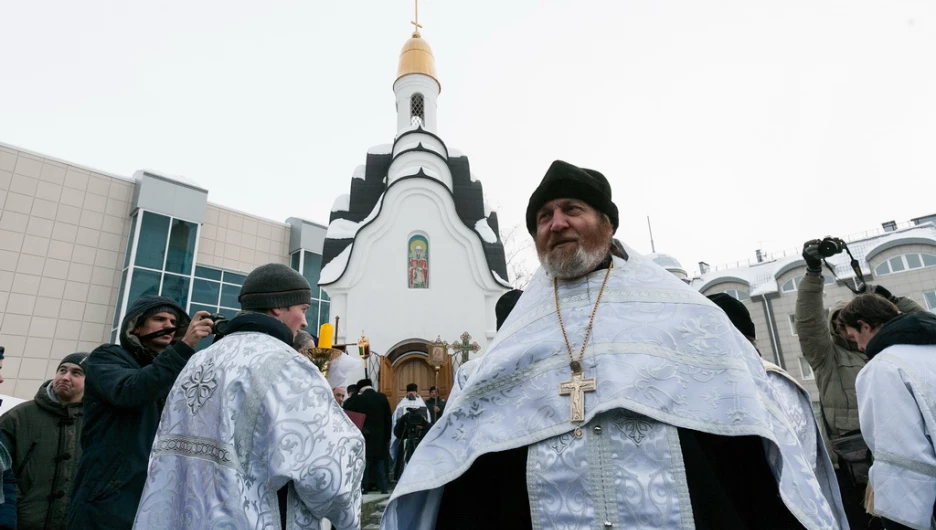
(218, 323)
(830, 246)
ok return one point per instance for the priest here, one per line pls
(614, 396)
(412, 400)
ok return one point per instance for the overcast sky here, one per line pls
(734, 125)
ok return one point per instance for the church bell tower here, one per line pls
(416, 87)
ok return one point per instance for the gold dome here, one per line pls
(416, 58)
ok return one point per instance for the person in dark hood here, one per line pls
(895, 397)
(125, 389)
(43, 438)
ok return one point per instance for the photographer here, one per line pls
(835, 361)
(409, 430)
(126, 385)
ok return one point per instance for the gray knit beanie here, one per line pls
(274, 285)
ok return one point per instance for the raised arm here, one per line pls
(122, 384)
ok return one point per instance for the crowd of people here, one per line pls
(613, 395)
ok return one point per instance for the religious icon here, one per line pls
(437, 352)
(418, 269)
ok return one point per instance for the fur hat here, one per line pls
(737, 313)
(274, 285)
(565, 181)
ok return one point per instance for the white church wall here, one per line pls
(412, 140)
(409, 163)
(373, 294)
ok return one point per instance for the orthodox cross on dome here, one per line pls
(415, 23)
(465, 347)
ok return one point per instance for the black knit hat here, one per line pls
(505, 305)
(165, 308)
(74, 358)
(274, 285)
(412, 387)
(565, 181)
(737, 313)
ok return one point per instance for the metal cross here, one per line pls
(415, 23)
(575, 388)
(464, 347)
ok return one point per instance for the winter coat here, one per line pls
(8, 501)
(43, 438)
(125, 388)
(835, 366)
(376, 430)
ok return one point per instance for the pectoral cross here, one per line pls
(575, 388)
(415, 23)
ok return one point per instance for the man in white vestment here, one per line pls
(251, 436)
(897, 407)
(614, 396)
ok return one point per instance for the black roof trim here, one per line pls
(420, 130)
(488, 252)
(423, 149)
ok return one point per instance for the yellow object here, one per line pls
(416, 58)
(326, 336)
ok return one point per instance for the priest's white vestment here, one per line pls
(664, 357)
(246, 417)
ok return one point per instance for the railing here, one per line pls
(796, 251)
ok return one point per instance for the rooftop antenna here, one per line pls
(650, 228)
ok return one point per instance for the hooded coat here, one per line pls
(125, 388)
(835, 365)
(43, 438)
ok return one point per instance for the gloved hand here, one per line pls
(881, 291)
(811, 255)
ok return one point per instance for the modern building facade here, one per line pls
(77, 245)
(902, 260)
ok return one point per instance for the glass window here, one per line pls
(929, 260)
(151, 249)
(206, 292)
(896, 264)
(323, 314)
(914, 261)
(793, 324)
(806, 372)
(120, 292)
(176, 288)
(312, 268)
(133, 222)
(788, 286)
(144, 283)
(233, 277)
(930, 297)
(207, 272)
(194, 308)
(294, 260)
(181, 249)
(229, 294)
(882, 269)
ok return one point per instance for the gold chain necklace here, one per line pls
(576, 364)
(576, 387)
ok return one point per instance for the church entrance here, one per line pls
(408, 363)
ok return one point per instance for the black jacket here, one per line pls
(125, 389)
(910, 328)
(376, 407)
(42, 436)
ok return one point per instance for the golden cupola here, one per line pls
(416, 58)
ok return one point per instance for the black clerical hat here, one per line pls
(565, 181)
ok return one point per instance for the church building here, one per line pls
(413, 255)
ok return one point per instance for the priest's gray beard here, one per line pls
(575, 266)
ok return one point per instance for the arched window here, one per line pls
(738, 294)
(905, 262)
(417, 110)
(793, 283)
